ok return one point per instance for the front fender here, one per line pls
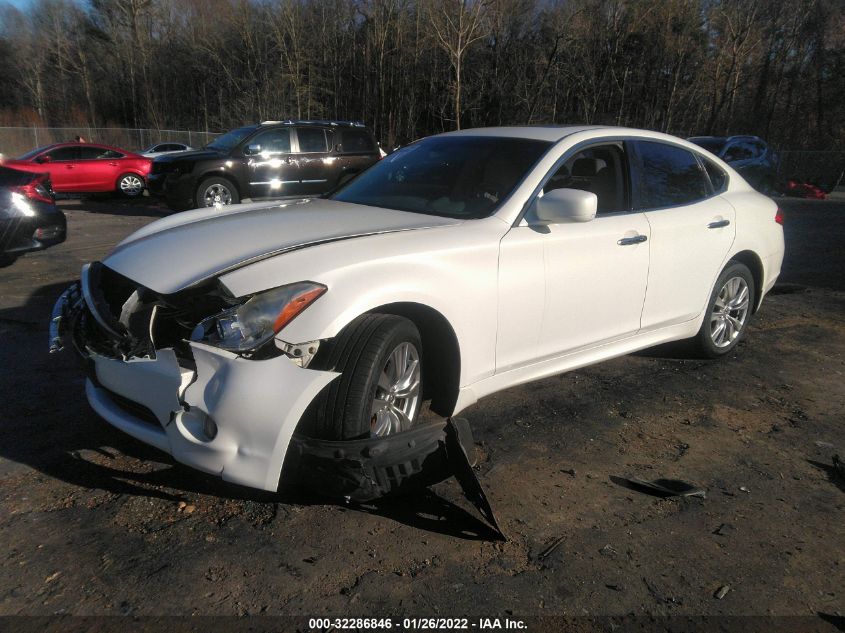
(452, 270)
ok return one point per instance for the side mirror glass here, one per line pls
(44, 159)
(252, 149)
(338, 147)
(561, 206)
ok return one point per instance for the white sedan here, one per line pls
(164, 149)
(457, 266)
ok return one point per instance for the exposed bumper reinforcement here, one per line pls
(366, 469)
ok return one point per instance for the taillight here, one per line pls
(779, 216)
(38, 189)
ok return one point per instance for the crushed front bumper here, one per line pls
(226, 415)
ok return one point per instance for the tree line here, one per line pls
(414, 67)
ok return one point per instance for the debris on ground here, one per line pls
(551, 548)
(721, 592)
(724, 529)
(661, 487)
(838, 466)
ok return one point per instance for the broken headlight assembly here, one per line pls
(251, 324)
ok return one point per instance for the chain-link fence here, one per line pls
(14, 141)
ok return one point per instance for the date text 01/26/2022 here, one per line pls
(417, 624)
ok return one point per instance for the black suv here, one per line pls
(274, 159)
(749, 155)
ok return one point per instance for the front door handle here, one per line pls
(719, 224)
(627, 241)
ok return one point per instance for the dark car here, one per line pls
(274, 159)
(29, 218)
(749, 155)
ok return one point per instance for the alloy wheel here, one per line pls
(217, 194)
(730, 312)
(397, 392)
(131, 186)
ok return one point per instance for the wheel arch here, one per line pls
(216, 173)
(441, 352)
(755, 265)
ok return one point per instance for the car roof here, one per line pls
(317, 122)
(100, 145)
(555, 133)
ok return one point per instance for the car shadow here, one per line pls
(145, 206)
(49, 427)
(833, 475)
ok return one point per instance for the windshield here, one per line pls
(712, 145)
(452, 176)
(230, 139)
(33, 152)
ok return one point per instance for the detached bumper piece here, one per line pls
(367, 469)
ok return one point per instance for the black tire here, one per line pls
(704, 343)
(344, 409)
(130, 186)
(231, 195)
(7, 260)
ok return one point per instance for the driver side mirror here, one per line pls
(252, 149)
(44, 159)
(562, 206)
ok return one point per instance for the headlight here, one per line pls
(256, 321)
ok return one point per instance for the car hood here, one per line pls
(195, 154)
(179, 251)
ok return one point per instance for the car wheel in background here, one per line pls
(7, 260)
(130, 185)
(728, 311)
(379, 391)
(216, 191)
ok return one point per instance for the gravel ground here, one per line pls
(95, 523)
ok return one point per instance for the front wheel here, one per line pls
(728, 312)
(217, 191)
(130, 185)
(379, 391)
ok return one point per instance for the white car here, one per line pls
(164, 149)
(457, 266)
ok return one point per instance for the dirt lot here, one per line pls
(95, 523)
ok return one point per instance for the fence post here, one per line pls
(35, 130)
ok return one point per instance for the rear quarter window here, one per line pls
(717, 175)
(357, 141)
(668, 176)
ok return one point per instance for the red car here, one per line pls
(87, 168)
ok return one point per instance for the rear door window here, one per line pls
(667, 176)
(312, 139)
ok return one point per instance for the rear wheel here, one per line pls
(7, 260)
(728, 312)
(217, 191)
(379, 391)
(130, 185)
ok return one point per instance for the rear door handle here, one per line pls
(719, 224)
(627, 241)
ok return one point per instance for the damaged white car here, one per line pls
(457, 266)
